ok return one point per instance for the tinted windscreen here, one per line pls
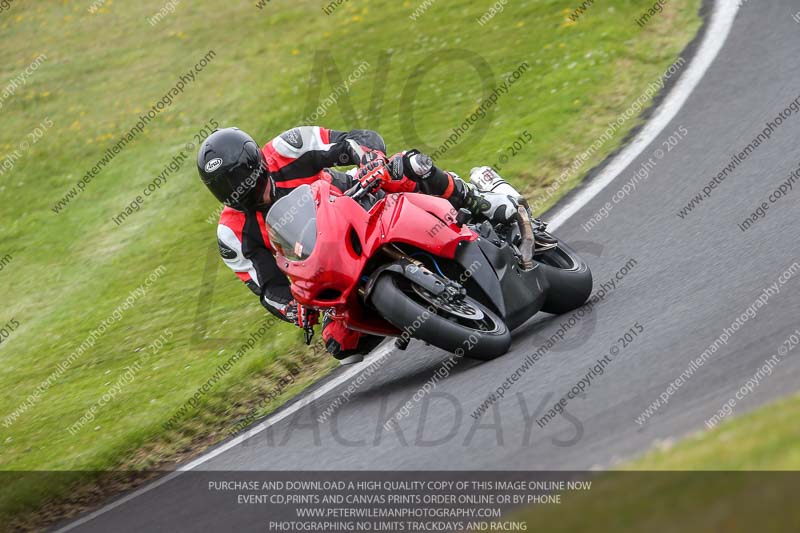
(292, 224)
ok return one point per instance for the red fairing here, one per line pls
(426, 222)
(329, 277)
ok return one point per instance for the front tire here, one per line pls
(468, 328)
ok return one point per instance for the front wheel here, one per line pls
(464, 327)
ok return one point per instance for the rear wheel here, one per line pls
(461, 326)
(569, 276)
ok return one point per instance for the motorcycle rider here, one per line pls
(248, 180)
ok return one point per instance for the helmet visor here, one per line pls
(248, 192)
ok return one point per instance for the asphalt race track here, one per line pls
(691, 278)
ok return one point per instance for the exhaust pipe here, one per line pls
(528, 241)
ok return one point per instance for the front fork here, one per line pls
(417, 272)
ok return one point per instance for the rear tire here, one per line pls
(401, 305)
(569, 277)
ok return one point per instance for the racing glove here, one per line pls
(370, 157)
(373, 173)
(411, 164)
(300, 315)
(401, 180)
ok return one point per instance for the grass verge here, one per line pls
(739, 477)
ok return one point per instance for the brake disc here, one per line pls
(456, 305)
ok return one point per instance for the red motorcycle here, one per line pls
(407, 265)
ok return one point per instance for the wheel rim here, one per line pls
(466, 313)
